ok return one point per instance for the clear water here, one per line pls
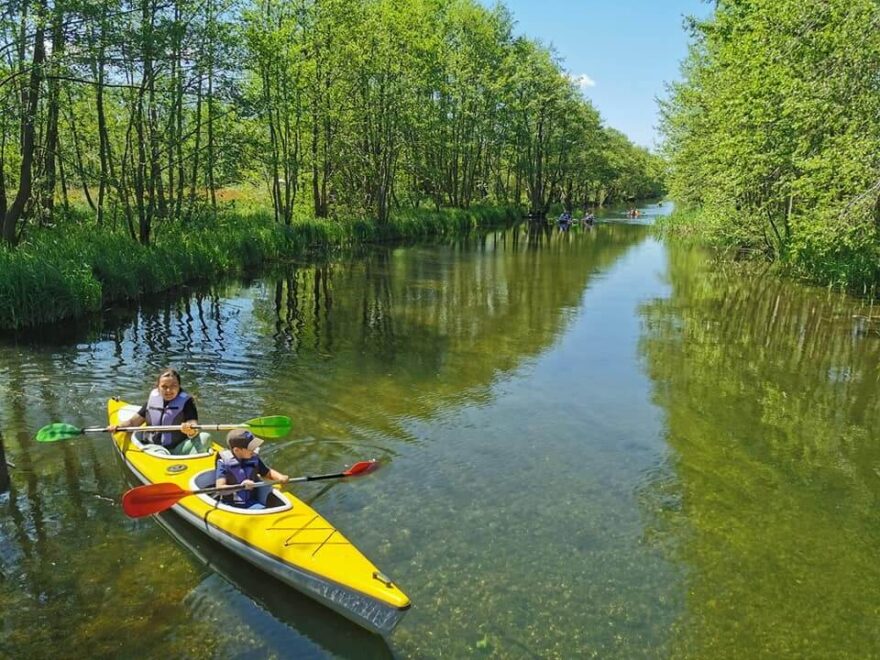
(592, 444)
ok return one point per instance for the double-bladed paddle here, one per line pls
(155, 498)
(274, 426)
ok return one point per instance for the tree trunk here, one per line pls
(15, 212)
(51, 151)
(83, 177)
(104, 153)
(212, 187)
(193, 182)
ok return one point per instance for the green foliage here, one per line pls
(34, 289)
(71, 270)
(846, 257)
(334, 109)
(684, 224)
(420, 223)
(775, 134)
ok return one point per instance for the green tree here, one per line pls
(774, 132)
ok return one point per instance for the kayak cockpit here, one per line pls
(276, 502)
(158, 451)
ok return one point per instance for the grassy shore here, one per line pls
(75, 269)
(845, 258)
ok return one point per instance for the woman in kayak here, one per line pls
(169, 405)
(240, 465)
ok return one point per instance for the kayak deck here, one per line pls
(289, 540)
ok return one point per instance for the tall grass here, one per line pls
(74, 269)
(34, 289)
(683, 224)
(819, 250)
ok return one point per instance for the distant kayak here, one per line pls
(288, 539)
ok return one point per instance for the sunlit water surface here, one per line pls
(592, 444)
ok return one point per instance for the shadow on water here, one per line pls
(286, 622)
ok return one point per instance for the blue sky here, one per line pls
(625, 50)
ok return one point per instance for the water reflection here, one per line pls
(770, 499)
(423, 323)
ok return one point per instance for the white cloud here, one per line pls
(582, 80)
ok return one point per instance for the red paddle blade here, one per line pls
(152, 498)
(361, 467)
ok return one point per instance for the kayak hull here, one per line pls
(289, 541)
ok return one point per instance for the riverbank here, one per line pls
(72, 270)
(841, 258)
(774, 135)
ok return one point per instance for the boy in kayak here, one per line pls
(240, 465)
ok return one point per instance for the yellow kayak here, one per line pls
(288, 539)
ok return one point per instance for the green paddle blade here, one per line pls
(274, 426)
(60, 431)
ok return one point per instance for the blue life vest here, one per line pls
(236, 472)
(160, 413)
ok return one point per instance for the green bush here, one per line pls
(841, 254)
(822, 248)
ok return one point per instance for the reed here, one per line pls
(35, 289)
(841, 256)
(74, 269)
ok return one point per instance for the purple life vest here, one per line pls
(228, 464)
(160, 413)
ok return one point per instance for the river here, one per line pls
(592, 444)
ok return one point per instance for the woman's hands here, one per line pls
(188, 429)
(136, 420)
